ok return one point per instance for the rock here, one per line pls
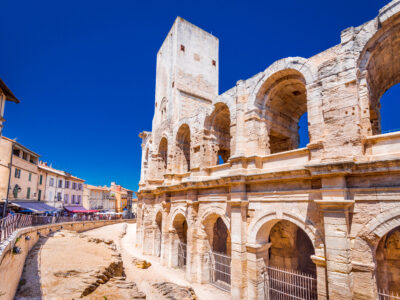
(141, 264)
(174, 291)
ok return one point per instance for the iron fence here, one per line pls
(220, 270)
(281, 284)
(182, 252)
(12, 222)
(384, 295)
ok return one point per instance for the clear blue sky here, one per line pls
(85, 70)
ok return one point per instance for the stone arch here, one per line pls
(179, 238)
(182, 153)
(217, 228)
(163, 155)
(299, 64)
(175, 212)
(218, 129)
(215, 210)
(158, 232)
(378, 65)
(180, 224)
(272, 218)
(368, 249)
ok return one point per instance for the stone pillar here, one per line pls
(238, 241)
(320, 264)
(139, 226)
(239, 140)
(203, 258)
(257, 260)
(334, 205)
(173, 244)
(166, 205)
(164, 237)
(191, 254)
(155, 237)
(148, 239)
(364, 281)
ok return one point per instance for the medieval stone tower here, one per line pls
(186, 83)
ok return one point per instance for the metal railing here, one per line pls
(220, 270)
(12, 222)
(284, 284)
(182, 253)
(384, 295)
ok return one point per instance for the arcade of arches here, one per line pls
(227, 195)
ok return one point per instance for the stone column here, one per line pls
(148, 239)
(238, 241)
(139, 226)
(203, 258)
(239, 140)
(191, 254)
(364, 280)
(334, 205)
(320, 264)
(164, 237)
(257, 260)
(173, 244)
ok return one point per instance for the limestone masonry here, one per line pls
(227, 195)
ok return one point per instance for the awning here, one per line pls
(35, 206)
(79, 209)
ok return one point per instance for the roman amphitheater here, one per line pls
(227, 195)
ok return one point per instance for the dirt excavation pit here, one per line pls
(103, 264)
(69, 265)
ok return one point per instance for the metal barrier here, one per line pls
(12, 222)
(384, 295)
(284, 284)
(182, 253)
(220, 270)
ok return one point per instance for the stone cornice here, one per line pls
(309, 171)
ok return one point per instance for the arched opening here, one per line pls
(291, 248)
(283, 99)
(220, 251)
(163, 155)
(286, 254)
(388, 262)
(220, 237)
(183, 149)
(181, 227)
(158, 234)
(220, 124)
(380, 66)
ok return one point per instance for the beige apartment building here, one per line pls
(58, 188)
(98, 198)
(51, 185)
(226, 193)
(73, 193)
(24, 171)
(123, 197)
